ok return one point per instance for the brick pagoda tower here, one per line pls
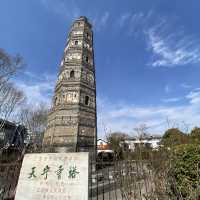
(72, 120)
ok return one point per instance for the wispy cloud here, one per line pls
(100, 21)
(194, 96)
(104, 19)
(67, 9)
(134, 22)
(124, 18)
(124, 117)
(171, 100)
(171, 48)
(114, 116)
(167, 42)
(167, 89)
(186, 86)
(71, 10)
(37, 90)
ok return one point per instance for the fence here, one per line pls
(128, 180)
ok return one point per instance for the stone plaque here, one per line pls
(54, 176)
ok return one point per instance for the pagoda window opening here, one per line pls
(76, 42)
(86, 100)
(72, 74)
(87, 59)
(56, 100)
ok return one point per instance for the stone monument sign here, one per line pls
(54, 176)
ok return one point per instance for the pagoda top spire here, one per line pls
(85, 19)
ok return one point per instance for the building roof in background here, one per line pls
(146, 137)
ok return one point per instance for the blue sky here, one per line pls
(147, 56)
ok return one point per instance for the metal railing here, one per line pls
(125, 180)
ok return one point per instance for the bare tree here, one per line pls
(141, 131)
(10, 96)
(181, 125)
(10, 99)
(34, 119)
(9, 65)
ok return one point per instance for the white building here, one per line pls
(151, 142)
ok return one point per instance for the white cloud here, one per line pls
(194, 96)
(124, 18)
(104, 18)
(168, 42)
(38, 89)
(186, 86)
(71, 10)
(134, 23)
(124, 117)
(167, 89)
(171, 48)
(100, 22)
(171, 100)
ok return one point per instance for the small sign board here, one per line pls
(54, 176)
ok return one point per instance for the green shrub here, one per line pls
(174, 137)
(195, 135)
(185, 167)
